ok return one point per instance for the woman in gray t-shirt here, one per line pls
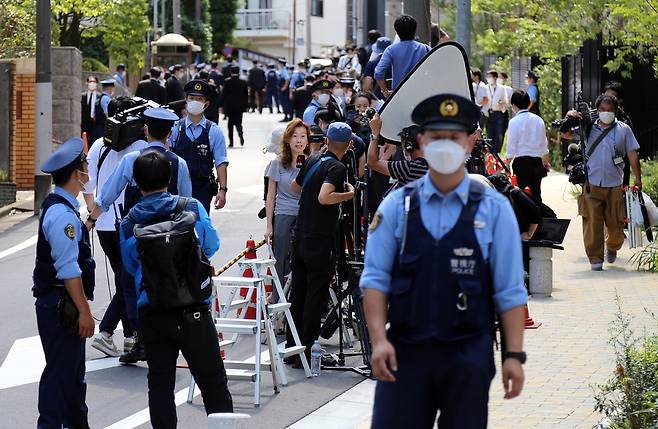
(282, 203)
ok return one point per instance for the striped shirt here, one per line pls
(407, 171)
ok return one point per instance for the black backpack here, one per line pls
(175, 272)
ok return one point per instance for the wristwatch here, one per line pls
(91, 219)
(223, 188)
(520, 356)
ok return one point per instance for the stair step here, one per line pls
(235, 328)
(291, 351)
(246, 366)
(278, 308)
(239, 375)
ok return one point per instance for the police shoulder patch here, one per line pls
(376, 221)
(69, 230)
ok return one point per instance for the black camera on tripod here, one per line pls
(475, 164)
(127, 126)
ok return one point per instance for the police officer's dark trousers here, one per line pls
(312, 269)
(116, 310)
(62, 388)
(192, 331)
(235, 120)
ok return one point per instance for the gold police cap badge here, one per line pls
(69, 231)
(449, 108)
(325, 84)
(197, 87)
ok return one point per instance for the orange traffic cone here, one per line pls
(529, 322)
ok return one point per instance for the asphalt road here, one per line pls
(117, 395)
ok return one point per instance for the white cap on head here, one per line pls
(272, 144)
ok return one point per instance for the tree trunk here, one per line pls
(69, 26)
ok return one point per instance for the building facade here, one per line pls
(279, 27)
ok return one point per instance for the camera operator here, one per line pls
(616, 89)
(158, 123)
(355, 158)
(602, 208)
(103, 160)
(323, 184)
(413, 167)
(527, 145)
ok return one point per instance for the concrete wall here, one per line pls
(66, 77)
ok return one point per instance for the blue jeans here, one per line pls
(495, 129)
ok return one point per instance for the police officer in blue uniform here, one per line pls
(63, 272)
(322, 95)
(440, 262)
(102, 103)
(158, 127)
(201, 144)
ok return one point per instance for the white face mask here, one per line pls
(491, 80)
(323, 99)
(499, 81)
(607, 117)
(92, 86)
(445, 156)
(195, 107)
(338, 92)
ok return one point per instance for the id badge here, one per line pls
(618, 160)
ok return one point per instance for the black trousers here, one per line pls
(116, 310)
(165, 332)
(312, 270)
(235, 120)
(529, 171)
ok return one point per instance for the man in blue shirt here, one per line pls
(158, 127)
(63, 273)
(201, 144)
(368, 79)
(440, 262)
(165, 332)
(400, 57)
(533, 92)
(102, 102)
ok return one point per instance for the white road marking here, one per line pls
(20, 246)
(25, 362)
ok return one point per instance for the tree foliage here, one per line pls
(124, 30)
(198, 30)
(77, 17)
(17, 28)
(223, 21)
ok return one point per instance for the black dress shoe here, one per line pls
(136, 354)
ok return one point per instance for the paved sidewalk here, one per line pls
(567, 355)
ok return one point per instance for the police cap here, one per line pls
(159, 115)
(70, 151)
(339, 132)
(347, 82)
(532, 75)
(198, 87)
(448, 112)
(108, 82)
(323, 84)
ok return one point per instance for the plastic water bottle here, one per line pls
(316, 359)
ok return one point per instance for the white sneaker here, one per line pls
(105, 345)
(128, 344)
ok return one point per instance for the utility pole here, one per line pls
(163, 17)
(420, 9)
(308, 28)
(155, 19)
(175, 5)
(44, 104)
(464, 25)
(197, 10)
(392, 10)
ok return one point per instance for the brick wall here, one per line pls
(22, 134)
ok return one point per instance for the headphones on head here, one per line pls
(409, 138)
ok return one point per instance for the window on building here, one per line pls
(317, 8)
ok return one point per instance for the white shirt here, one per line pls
(92, 111)
(480, 91)
(498, 99)
(346, 63)
(106, 220)
(526, 136)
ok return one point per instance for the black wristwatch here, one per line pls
(520, 356)
(223, 188)
(91, 219)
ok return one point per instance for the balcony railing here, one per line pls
(263, 19)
